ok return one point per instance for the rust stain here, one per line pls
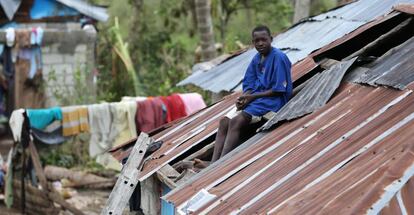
(405, 8)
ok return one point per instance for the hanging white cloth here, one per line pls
(16, 124)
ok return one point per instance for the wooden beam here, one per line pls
(167, 175)
(128, 179)
(169, 171)
(186, 175)
(166, 180)
(200, 153)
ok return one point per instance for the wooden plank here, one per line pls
(51, 192)
(187, 174)
(150, 196)
(128, 179)
(167, 175)
(166, 180)
(37, 165)
(169, 171)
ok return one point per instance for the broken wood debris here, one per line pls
(78, 178)
(128, 179)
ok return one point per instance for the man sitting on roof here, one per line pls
(267, 86)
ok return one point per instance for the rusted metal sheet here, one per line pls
(182, 137)
(394, 69)
(345, 143)
(302, 67)
(313, 96)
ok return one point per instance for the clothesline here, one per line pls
(110, 124)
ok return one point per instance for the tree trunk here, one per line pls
(342, 2)
(302, 8)
(249, 13)
(134, 32)
(205, 27)
(78, 178)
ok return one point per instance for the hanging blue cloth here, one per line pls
(41, 118)
(271, 74)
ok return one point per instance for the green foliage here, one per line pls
(320, 6)
(55, 157)
(74, 153)
(162, 37)
(72, 93)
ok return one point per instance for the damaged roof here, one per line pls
(352, 155)
(315, 161)
(297, 42)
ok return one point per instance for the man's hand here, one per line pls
(243, 101)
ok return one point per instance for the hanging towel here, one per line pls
(10, 36)
(123, 126)
(100, 122)
(16, 123)
(150, 114)
(36, 36)
(75, 120)
(175, 107)
(41, 118)
(192, 102)
(34, 55)
(51, 138)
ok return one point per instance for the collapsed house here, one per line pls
(341, 145)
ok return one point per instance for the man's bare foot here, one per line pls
(183, 165)
(200, 164)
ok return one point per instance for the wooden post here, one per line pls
(128, 179)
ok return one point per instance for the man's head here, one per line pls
(262, 39)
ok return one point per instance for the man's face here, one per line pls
(262, 42)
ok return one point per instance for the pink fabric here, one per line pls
(192, 102)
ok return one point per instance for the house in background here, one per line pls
(66, 41)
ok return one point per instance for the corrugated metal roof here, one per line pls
(298, 41)
(313, 96)
(354, 155)
(322, 156)
(394, 69)
(95, 12)
(401, 203)
(10, 7)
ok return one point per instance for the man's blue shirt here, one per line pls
(273, 73)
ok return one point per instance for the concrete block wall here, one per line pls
(61, 60)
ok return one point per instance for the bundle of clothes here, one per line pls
(109, 124)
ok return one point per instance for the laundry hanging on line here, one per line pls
(109, 124)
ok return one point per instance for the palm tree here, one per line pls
(302, 8)
(205, 27)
